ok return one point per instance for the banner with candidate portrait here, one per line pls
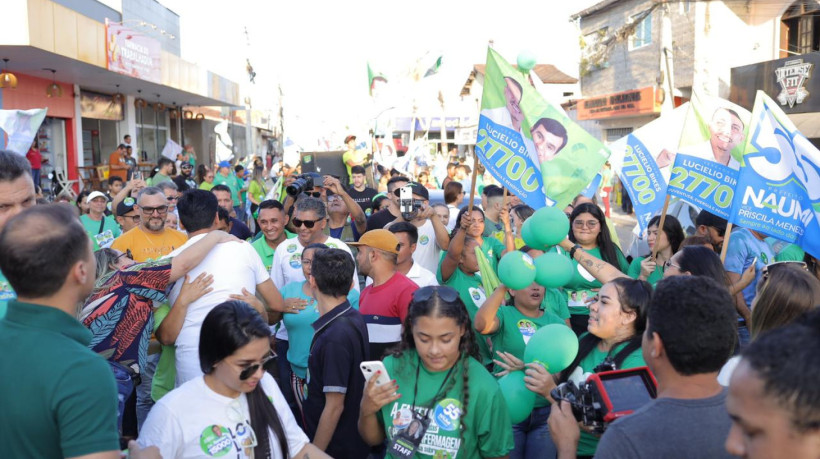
(643, 161)
(778, 189)
(529, 145)
(20, 127)
(711, 143)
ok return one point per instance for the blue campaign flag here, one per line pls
(704, 183)
(778, 189)
(642, 179)
(593, 186)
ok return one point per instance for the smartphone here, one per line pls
(137, 175)
(371, 367)
(406, 200)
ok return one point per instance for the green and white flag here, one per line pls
(374, 80)
(530, 145)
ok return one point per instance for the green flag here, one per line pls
(434, 68)
(374, 79)
(529, 144)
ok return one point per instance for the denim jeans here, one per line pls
(125, 386)
(743, 337)
(144, 400)
(532, 437)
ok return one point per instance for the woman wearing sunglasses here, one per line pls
(236, 408)
(120, 310)
(589, 231)
(439, 383)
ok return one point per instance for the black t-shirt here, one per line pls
(363, 198)
(240, 229)
(184, 183)
(339, 347)
(380, 219)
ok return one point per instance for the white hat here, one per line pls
(93, 195)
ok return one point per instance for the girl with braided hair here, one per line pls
(439, 383)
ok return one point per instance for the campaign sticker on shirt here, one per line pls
(478, 296)
(424, 239)
(216, 441)
(295, 261)
(402, 418)
(764, 258)
(245, 436)
(291, 248)
(104, 239)
(448, 414)
(527, 329)
(332, 245)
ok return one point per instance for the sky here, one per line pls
(318, 50)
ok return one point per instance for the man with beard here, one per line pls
(725, 133)
(185, 181)
(150, 240)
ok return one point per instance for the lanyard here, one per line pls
(438, 392)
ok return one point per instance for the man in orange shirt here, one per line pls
(150, 240)
(116, 163)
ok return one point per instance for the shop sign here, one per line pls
(792, 76)
(99, 107)
(628, 103)
(131, 53)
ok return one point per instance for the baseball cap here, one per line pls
(224, 164)
(349, 138)
(381, 239)
(709, 219)
(93, 195)
(417, 188)
(125, 206)
(186, 165)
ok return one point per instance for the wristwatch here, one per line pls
(573, 249)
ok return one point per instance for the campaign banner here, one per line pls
(20, 127)
(593, 186)
(643, 160)
(529, 145)
(705, 168)
(778, 189)
(130, 53)
(171, 150)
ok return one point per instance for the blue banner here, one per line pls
(642, 179)
(590, 190)
(778, 191)
(704, 183)
(503, 152)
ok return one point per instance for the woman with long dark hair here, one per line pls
(667, 240)
(588, 231)
(442, 384)
(236, 408)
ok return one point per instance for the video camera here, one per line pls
(408, 206)
(608, 395)
(303, 183)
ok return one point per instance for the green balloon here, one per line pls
(552, 225)
(526, 61)
(520, 400)
(528, 235)
(553, 270)
(554, 346)
(516, 270)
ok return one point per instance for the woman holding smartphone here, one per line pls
(439, 385)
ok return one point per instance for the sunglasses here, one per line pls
(769, 269)
(250, 370)
(315, 194)
(447, 294)
(150, 210)
(669, 263)
(127, 253)
(308, 223)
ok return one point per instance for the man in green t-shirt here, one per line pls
(16, 194)
(226, 177)
(271, 218)
(101, 228)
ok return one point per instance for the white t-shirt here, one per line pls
(234, 266)
(417, 274)
(287, 267)
(704, 151)
(193, 421)
(427, 252)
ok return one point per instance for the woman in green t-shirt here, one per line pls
(510, 328)
(445, 389)
(617, 320)
(492, 248)
(668, 241)
(257, 189)
(589, 231)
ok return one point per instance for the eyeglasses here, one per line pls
(127, 253)
(134, 218)
(162, 210)
(172, 198)
(250, 370)
(588, 223)
(769, 269)
(669, 263)
(308, 223)
(447, 294)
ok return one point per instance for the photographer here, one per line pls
(433, 235)
(381, 218)
(690, 334)
(339, 206)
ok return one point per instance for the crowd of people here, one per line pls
(213, 311)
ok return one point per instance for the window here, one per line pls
(800, 29)
(617, 133)
(642, 35)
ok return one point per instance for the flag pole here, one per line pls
(660, 226)
(472, 184)
(726, 238)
